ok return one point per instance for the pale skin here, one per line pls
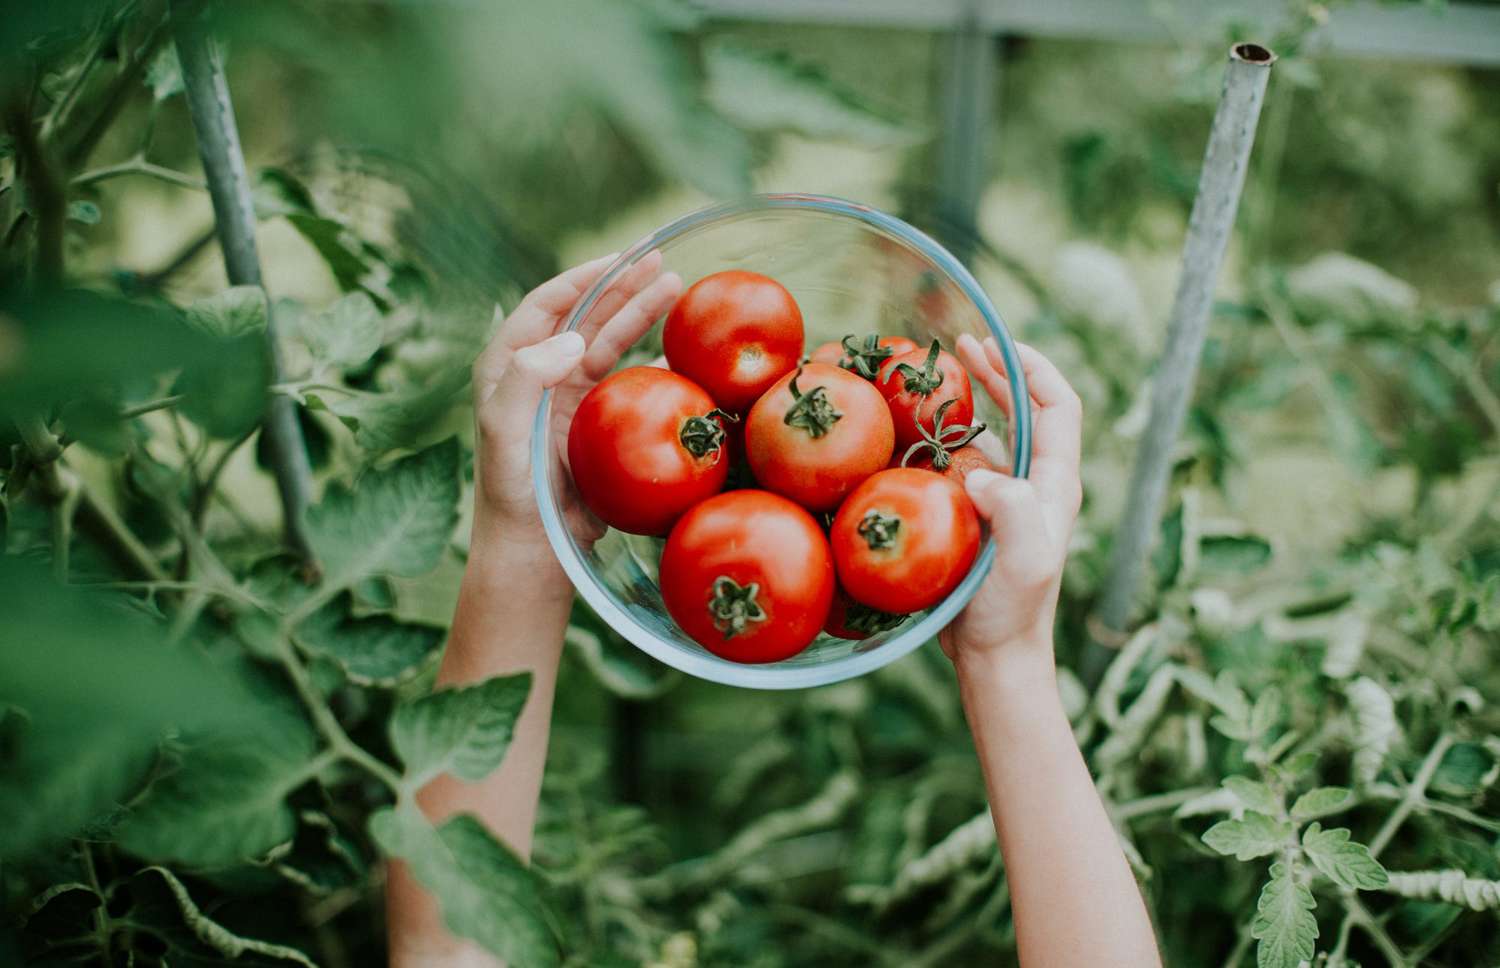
(1074, 899)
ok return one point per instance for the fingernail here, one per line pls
(978, 479)
(567, 343)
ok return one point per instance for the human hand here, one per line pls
(527, 355)
(1030, 519)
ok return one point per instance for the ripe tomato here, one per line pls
(848, 619)
(645, 445)
(816, 433)
(946, 450)
(748, 575)
(916, 384)
(862, 355)
(904, 539)
(734, 334)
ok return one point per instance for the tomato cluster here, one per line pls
(856, 453)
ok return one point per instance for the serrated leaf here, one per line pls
(1346, 862)
(215, 935)
(1266, 712)
(373, 651)
(322, 858)
(484, 891)
(237, 311)
(225, 805)
(396, 522)
(228, 399)
(1253, 835)
(464, 731)
(1254, 794)
(1284, 923)
(1466, 769)
(767, 91)
(1321, 801)
(344, 335)
(385, 421)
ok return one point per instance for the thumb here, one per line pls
(532, 369)
(1011, 507)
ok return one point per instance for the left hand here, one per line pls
(529, 354)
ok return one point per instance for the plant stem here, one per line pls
(150, 406)
(1219, 186)
(1241, 945)
(101, 916)
(1160, 801)
(47, 198)
(328, 724)
(229, 186)
(1377, 934)
(1416, 794)
(139, 166)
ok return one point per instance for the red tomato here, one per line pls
(946, 450)
(817, 433)
(904, 539)
(734, 334)
(645, 445)
(848, 619)
(748, 575)
(916, 384)
(862, 355)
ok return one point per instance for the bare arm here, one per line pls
(1074, 899)
(514, 601)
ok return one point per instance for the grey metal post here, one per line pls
(968, 88)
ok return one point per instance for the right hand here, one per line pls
(1031, 518)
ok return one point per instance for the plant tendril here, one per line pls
(734, 606)
(812, 411)
(936, 442)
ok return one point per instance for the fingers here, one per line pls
(1057, 427)
(535, 319)
(991, 378)
(507, 413)
(629, 324)
(1013, 511)
(620, 292)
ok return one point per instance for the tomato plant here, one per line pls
(816, 433)
(946, 449)
(748, 575)
(645, 445)
(916, 384)
(734, 333)
(904, 539)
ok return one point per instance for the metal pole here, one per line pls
(234, 219)
(1219, 187)
(968, 88)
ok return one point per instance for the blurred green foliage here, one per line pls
(206, 749)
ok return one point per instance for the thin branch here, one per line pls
(1219, 187)
(229, 186)
(1416, 794)
(127, 84)
(48, 200)
(149, 406)
(139, 166)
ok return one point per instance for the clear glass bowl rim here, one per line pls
(704, 665)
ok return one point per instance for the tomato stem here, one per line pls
(812, 411)
(925, 381)
(734, 606)
(704, 435)
(864, 356)
(879, 530)
(935, 440)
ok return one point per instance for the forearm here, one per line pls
(1074, 899)
(512, 614)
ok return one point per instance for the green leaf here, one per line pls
(373, 651)
(1321, 801)
(1466, 769)
(83, 212)
(215, 935)
(1226, 554)
(225, 805)
(227, 401)
(348, 260)
(1284, 923)
(1254, 794)
(397, 522)
(484, 891)
(164, 76)
(237, 311)
(1266, 712)
(386, 421)
(464, 731)
(767, 91)
(344, 335)
(1253, 835)
(1347, 863)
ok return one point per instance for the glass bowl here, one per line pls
(852, 269)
